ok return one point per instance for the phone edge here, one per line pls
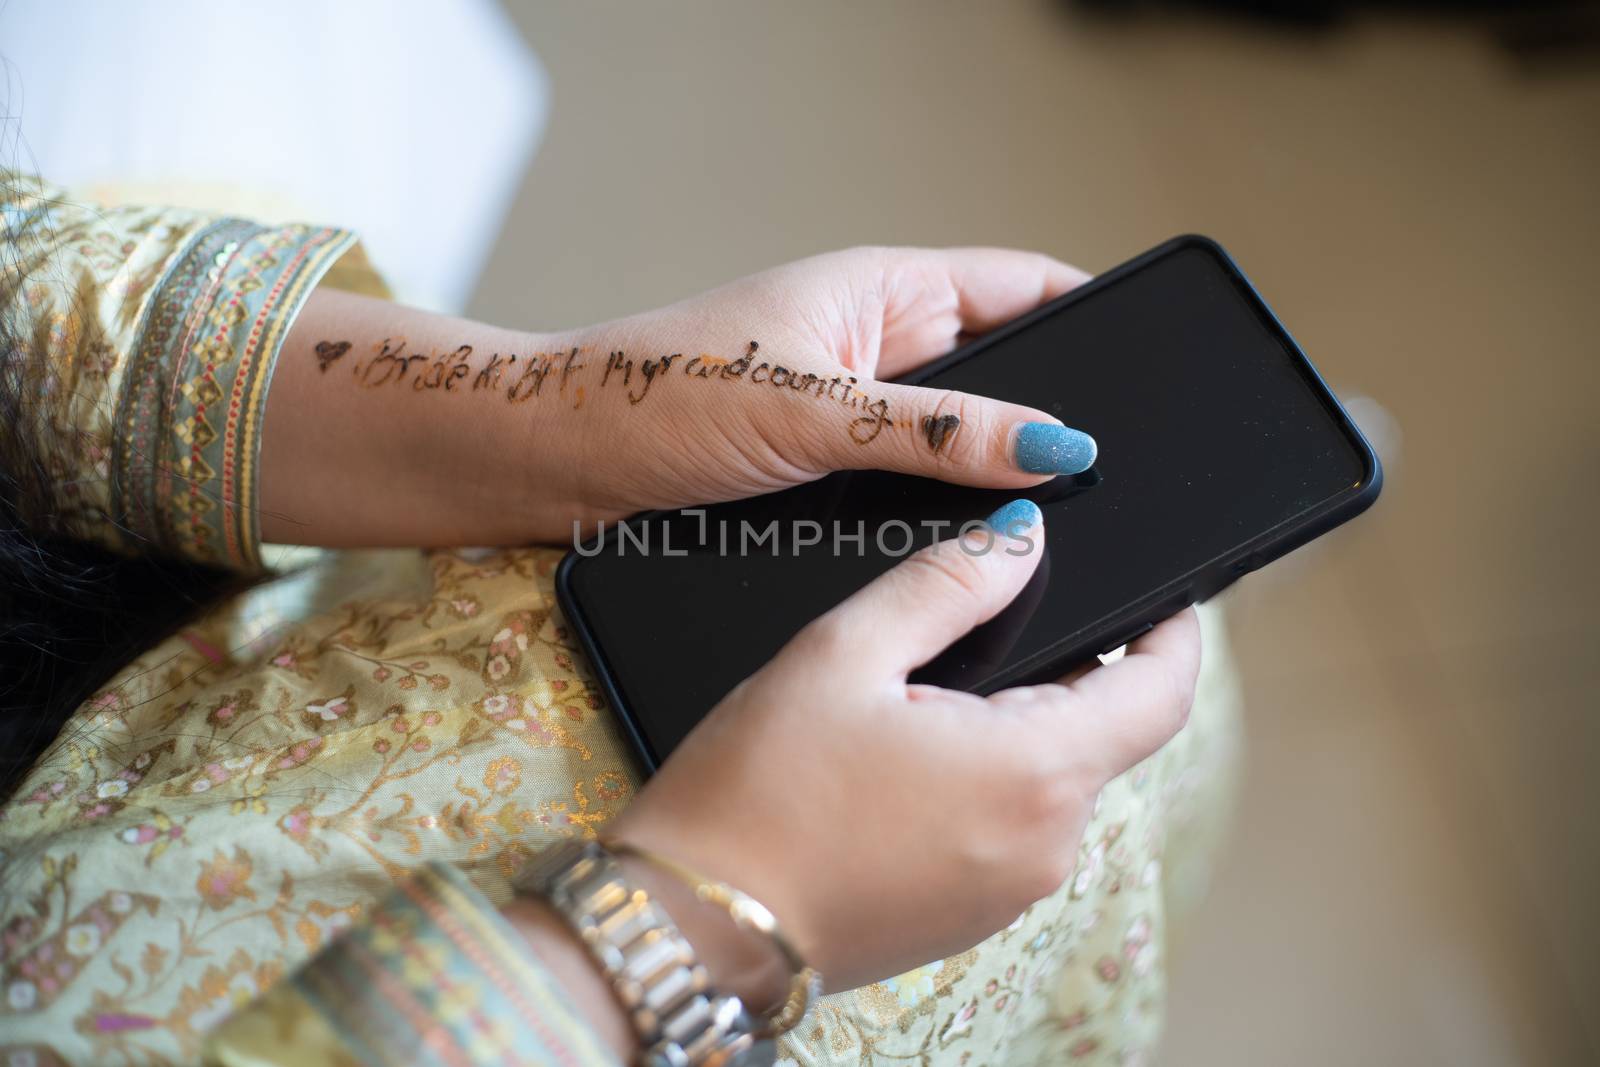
(567, 603)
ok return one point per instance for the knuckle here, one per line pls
(1185, 707)
(968, 445)
(1040, 808)
(1184, 711)
(1177, 700)
(951, 427)
(1047, 873)
(803, 434)
(824, 637)
(871, 252)
(1053, 810)
(866, 261)
(1060, 866)
(958, 575)
(1055, 796)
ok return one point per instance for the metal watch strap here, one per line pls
(681, 1021)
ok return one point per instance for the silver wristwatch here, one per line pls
(681, 1021)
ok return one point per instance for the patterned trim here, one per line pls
(143, 417)
(186, 435)
(436, 976)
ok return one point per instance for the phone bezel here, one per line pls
(1114, 629)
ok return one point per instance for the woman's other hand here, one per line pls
(888, 824)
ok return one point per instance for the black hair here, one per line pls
(72, 613)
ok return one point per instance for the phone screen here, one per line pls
(1213, 432)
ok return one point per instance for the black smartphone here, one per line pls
(1221, 449)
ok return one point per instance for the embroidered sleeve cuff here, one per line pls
(187, 429)
(433, 976)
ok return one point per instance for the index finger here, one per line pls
(933, 296)
(1119, 714)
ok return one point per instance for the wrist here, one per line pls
(641, 952)
(560, 950)
(738, 962)
(516, 467)
(387, 425)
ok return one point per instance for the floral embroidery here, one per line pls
(156, 834)
(322, 713)
(224, 880)
(34, 979)
(503, 775)
(231, 708)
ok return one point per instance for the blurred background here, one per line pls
(1414, 877)
(1415, 869)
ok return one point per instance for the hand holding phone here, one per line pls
(1220, 450)
(776, 380)
(887, 823)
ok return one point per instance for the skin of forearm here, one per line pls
(569, 962)
(351, 466)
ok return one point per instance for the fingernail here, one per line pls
(1011, 519)
(1045, 448)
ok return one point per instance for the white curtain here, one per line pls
(409, 121)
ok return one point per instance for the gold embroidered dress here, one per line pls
(278, 836)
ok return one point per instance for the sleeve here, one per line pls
(141, 342)
(433, 976)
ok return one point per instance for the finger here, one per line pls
(1118, 715)
(933, 296)
(952, 436)
(913, 612)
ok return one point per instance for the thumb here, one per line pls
(957, 437)
(913, 612)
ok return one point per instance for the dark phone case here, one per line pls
(1139, 616)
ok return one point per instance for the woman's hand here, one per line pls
(388, 425)
(888, 824)
(774, 380)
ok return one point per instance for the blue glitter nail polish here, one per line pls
(1015, 517)
(1045, 448)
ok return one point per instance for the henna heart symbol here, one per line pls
(328, 351)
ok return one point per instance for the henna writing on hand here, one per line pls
(328, 351)
(520, 378)
(938, 430)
